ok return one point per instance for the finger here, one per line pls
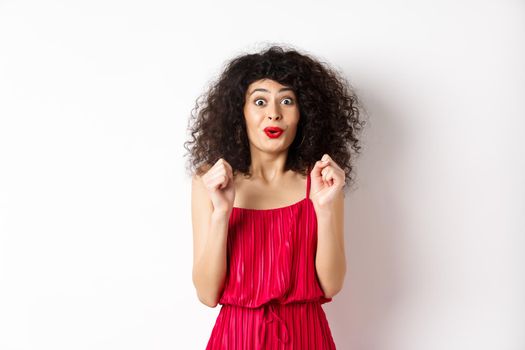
(329, 177)
(316, 172)
(324, 173)
(213, 170)
(334, 177)
(230, 170)
(319, 165)
(220, 167)
(220, 181)
(218, 177)
(228, 167)
(326, 157)
(329, 160)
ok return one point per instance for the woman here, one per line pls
(268, 245)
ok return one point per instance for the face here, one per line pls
(270, 104)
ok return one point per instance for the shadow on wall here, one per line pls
(375, 282)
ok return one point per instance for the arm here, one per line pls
(210, 232)
(330, 261)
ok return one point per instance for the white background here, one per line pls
(95, 225)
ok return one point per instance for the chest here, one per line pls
(271, 235)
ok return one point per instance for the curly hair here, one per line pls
(329, 112)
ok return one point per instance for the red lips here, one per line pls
(273, 131)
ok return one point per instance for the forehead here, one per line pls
(267, 86)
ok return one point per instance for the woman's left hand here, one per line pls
(327, 179)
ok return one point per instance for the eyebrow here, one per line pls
(264, 90)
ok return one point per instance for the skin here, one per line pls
(214, 194)
(270, 108)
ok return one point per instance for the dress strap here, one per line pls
(308, 182)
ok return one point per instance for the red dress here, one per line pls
(272, 297)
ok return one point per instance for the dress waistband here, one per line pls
(270, 315)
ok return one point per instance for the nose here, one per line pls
(274, 112)
(275, 115)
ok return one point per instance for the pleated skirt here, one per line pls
(297, 326)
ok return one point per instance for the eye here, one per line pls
(259, 99)
(289, 99)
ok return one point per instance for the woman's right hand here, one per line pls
(219, 183)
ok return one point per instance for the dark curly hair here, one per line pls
(329, 112)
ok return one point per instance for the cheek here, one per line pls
(250, 121)
(249, 114)
(251, 126)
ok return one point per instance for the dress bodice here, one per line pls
(271, 255)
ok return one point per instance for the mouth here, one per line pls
(273, 132)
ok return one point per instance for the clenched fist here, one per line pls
(327, 181)
(218, 180)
